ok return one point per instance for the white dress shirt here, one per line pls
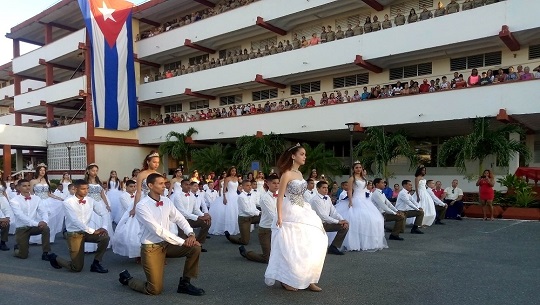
(186, 204)
(452, 195)
(28, 212)
(246, 205)
(126, 200)
(256, 197)
(308, 194)
(322, 205)
(343, 196)
(62, 195)
(382, 203)
(435, 198)
(79, 215)
(268, 210)
(405, 202)
(155, 221)
(5, 209)
(210, 196)
(199, 201)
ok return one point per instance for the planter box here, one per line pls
(522, 213)
(475, 211)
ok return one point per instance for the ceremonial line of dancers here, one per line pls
(297, 222)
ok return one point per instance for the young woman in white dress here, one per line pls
(96, 192)
(176, 184)
(299, 241)
(66, 181)
(40, 186)
(366, 223)
(114, 190)
(225, 213)
(128, 226)
(423, 198)
(260, 183)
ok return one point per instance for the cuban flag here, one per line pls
(108, 23)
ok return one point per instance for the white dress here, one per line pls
(55, 210)
(260, 187)
(5, 201)
(65, 190)
(299, 245)
(177, 189)
(96, 221)
(113, 195)
(225, 216)
(366, 223)
(426, 203)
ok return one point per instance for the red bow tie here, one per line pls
(27, 198)
(275, 195)
(159, 203)
(187, 194)
(82, 201)
(132, 196)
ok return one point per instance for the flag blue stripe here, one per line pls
(132, 89)
(111, 87)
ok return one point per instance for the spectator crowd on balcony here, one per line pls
(458, 81)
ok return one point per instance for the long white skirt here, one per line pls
(225, 216)
(366, 227)
(116, 207)
(97, 222)
(55, 211)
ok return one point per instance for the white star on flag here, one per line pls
(107, 12)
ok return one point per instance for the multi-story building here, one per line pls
(185, 67)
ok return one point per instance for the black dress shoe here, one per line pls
(438, 222)
(96, 267)
(187, 288)
(394, 237)
(208, 236)
(415, 230)
(203, 250)
(53, 262)
(334, 250)
(45, 256)
(243, 251)
(227, 235)
(459, 218)
(124, 277)
(4, 247)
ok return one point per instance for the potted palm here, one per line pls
(520, 196)
(178, 145)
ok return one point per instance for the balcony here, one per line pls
(23, 136)
(338, 56)
(66, 133)
(423, 114)
(49, 52)
(57, 93)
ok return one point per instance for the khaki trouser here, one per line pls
(341, 233)
(441, 212)
(75, 242)
(265, 239)
(399, 222)
(414, 213)
(203, 232)
(4, 234)
(22, 238)
(153, 263)
(244, 223)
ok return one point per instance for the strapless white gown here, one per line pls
(94, 192)
(426, 203)
(55, 210)
(225, 216)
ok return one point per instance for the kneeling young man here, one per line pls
(78, 209)
(155, 212)
(247, 215)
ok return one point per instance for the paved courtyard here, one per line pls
(467, 262)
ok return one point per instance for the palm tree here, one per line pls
(482, 142)
(216, 158)
(380, 148)
(321, 159)
(264, 149)
(178, 145)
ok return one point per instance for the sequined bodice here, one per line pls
(41, 190)
(94, 191)
(144, 188)
(359, 188)
(295, 191)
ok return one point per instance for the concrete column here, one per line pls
(18, 119)
(7, 160)
(49, 74)
(49, 112)
(48, 34)
(16, 48)
(514, 162)
(19, 162)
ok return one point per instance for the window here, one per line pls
(411, 71)
(172, 65)
(306, 88)
(223, 53)
(198, 105)
(405, 7)
(351, 80)
(197, 59)
(534, 51)
(476, 61)
(173, 108)
(261, 44)
(229, 100)
(264, 94)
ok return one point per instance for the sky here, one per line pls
(15, 12)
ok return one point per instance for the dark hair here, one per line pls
(419, 171)
(229, 171)
(246, 181)
(148, 158)
(427, 182)
(310, 179)
(21, 181)
(70, 185)
(152, 178)
(321, 183)
(117, 184)
(272, 177)
(79, 182)
(87, 177)
(193, 183)
(134, 170)
(285, 161)
(377, 181)
(404, 182)
(130, 182)
(36, 175)
(184, 180)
